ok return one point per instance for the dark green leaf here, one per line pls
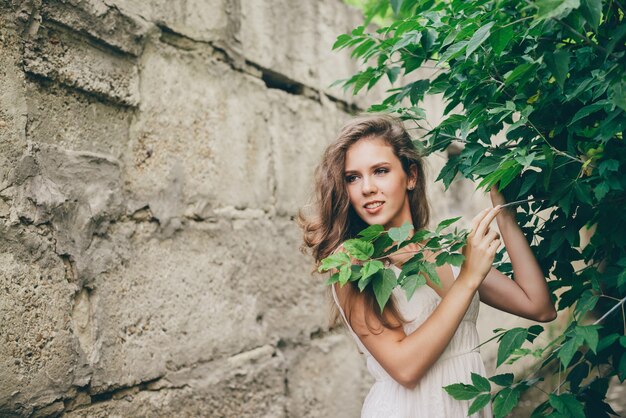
(592, 10)
(480, 36)
(505, 379)
(461, 391)
(481, 382)
(512, 340)
(567, 405)
(479, 403)
(505, 401)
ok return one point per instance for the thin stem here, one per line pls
(617, 305)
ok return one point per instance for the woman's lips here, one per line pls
(375, 210)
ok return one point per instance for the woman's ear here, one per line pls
(412, 176)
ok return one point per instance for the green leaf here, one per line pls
(500, 38)
(383, 286)
(334, 261)
(446, 223)
(568, 349)
(547, 9)
(558, 64)
(567, 405)
(481, 382)
(505, 379)
(429, 269)
(586, 302)
(592, 11)
(512, 340)
(395, 6)
(332, 279)
(411, 283)
(364, 281)
(401, 233)
(342, 41)
(505, 401)
(587, 110)
(533, 332)
(344, 273)
(479, 403)
(455, 259)
(461, 391)
(589, 333)
(361, 250)
(517, 73)
(480, 36)
(372, 232)
(371, 267)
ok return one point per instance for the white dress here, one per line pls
(389, 399)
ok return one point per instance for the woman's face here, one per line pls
(377, 184)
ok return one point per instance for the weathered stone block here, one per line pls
(165, 308)
(39, 357)
(201, 134)
(12, 96)
(60, 55)
(247, 385)
(202, 20)
(79, 194)
(295, 39)
(300, 129)
(94, 126)
(100, 20)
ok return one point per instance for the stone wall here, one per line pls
(152, 156)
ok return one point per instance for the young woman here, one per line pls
(372, 174)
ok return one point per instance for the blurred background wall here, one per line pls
(152, 157)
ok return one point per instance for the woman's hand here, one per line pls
(481, 247)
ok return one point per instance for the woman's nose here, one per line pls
(368, 186)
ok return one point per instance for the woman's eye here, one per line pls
(350, 179)
(381, 170)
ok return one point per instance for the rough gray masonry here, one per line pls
(152, 156)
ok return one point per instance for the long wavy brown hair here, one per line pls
(331, 220)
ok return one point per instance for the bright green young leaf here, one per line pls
(361, 250)
(445, 223)
(401, 233)
(371, 267)
(383, 286)
(411, 283)
(344, 274)
(334, 261)
(372, 232)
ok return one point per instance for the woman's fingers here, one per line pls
(476, 221)
(486, 220)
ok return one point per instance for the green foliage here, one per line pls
(374, 244)
(548, 77)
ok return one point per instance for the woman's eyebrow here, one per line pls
(373, 167)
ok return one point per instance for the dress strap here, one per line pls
(362, 348)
